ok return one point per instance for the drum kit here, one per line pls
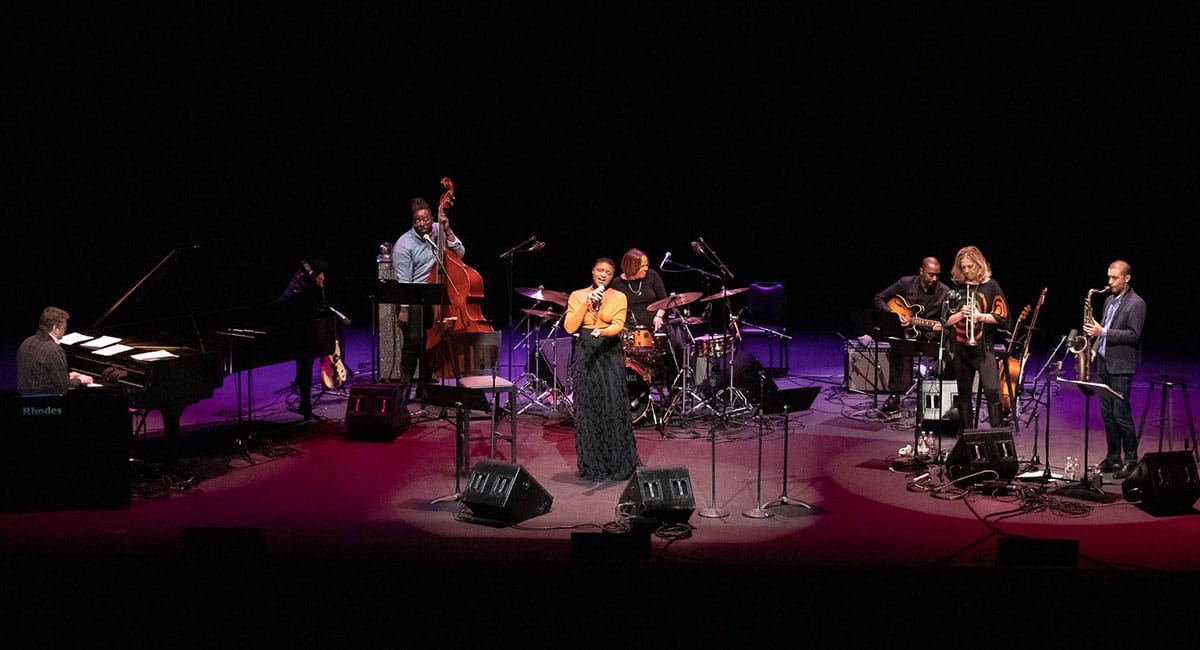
(684, 387)
(545, 390)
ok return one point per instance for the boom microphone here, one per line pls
(666, 258)
(696, 247)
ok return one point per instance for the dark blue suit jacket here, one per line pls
(1123, 344)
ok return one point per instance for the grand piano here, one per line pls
(215, 315)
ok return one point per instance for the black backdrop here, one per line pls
(830, 145)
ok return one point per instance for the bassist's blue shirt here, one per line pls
(414, 258)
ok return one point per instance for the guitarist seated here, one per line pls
(918, 301)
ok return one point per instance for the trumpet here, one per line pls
(971, 316)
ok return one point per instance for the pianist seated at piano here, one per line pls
(42, 363)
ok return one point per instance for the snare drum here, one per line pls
(637, 383)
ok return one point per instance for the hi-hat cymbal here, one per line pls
(690, 320)
(724, 293)
(541, 313)
(544, 295)
(674, 301)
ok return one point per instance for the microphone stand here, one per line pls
(507, 256)
(1035, 415)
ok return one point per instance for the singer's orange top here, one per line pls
(610, 319)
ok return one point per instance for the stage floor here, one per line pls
(279, 513)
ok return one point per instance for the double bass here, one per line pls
(460, 308)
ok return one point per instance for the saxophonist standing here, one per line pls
(984, 310)
(1118, 350)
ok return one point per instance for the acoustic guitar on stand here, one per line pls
(899, 306)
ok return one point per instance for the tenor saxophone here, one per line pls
(1082, 345)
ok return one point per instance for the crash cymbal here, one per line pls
(724, 293)
(544, 295)
(674, 301)
(541, 313)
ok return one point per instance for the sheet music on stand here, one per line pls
(393, 294)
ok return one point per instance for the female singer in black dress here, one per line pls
(604, 442)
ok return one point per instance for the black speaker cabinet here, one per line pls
(65, 452)
(376, 412)
(505, 492)
(663, 493)
(746, 377)
(1164, 482)
(984, 449)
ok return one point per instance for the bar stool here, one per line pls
(1167, 386)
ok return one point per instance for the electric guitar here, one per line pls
(333, 371)
(901, 307)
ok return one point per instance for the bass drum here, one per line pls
(637, 382)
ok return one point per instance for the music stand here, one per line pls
(401, 293)
(879, 325)
(463, 400)
(1084, 489)
(918, 348)
(785, 401)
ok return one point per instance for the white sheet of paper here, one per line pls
(150, 356)
(73, 338)
(113, 349)
(101, 342)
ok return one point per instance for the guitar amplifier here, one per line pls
(860, 370)
(938, 398)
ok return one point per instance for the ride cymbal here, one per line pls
(674, 301)
(544, 295)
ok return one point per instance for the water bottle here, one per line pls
(1069, 469)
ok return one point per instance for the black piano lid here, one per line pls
(188, 286)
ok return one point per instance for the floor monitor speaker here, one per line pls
(376, 412)
(978, 450)
(663, 493)
(1164, 482)
(505, 492)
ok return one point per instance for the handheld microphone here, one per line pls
(597, 298)
(696, 247)
(666, 258)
